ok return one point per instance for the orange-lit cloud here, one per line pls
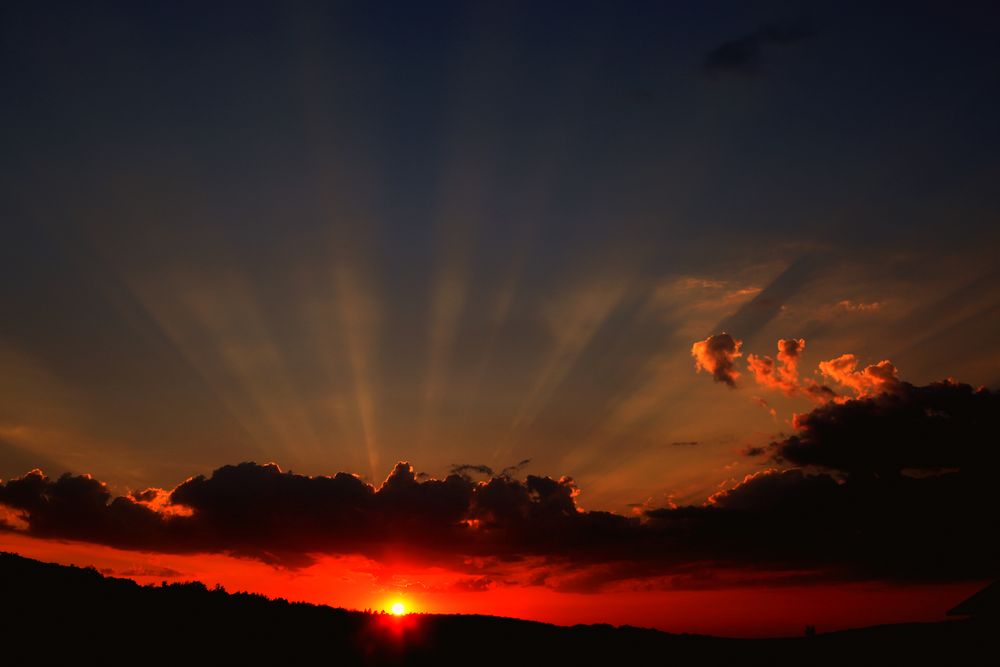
(716, 355)
(870, 381)
(783, 375)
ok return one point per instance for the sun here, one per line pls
(397, 609)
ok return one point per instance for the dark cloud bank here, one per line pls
(894, 487)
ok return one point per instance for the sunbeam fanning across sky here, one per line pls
(674, 314)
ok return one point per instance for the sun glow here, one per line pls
(397, 609)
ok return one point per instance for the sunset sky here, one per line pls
(591, 269)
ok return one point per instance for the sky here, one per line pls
(646, 276)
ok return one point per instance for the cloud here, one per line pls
(888, 427)
(474, 584)
(743, 55)
(894, 483)
(510, 471)
(872, 380)
(715, 355)
(783, 374)
(858, 518)
(463, 469)
(262, 512)
(943, 425)
(78, 507)
(788, 353)
(771, 490)
(889, 529)
(466, 470)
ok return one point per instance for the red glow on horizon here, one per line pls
(353, 582)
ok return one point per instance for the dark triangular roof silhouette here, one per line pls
(985, 602)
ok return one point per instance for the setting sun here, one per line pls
(409, 332)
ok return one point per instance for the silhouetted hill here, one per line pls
(54, 613)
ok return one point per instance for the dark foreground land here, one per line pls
(68, 615)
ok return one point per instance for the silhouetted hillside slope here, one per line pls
(53, 613)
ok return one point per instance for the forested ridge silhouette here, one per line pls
(71, 615)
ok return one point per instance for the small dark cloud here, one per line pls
(744, 55)
(464, 469)
(513, 470)
(685, 443)
(474, 584)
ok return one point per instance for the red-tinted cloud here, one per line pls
(716, 355)
(870, 381)
(783, 375)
